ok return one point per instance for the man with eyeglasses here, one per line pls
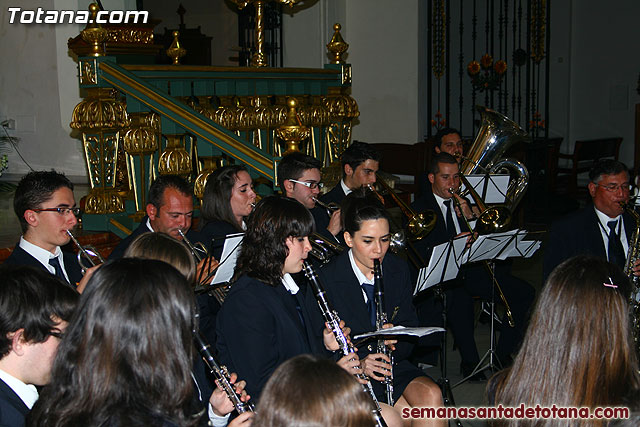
(45, 205)
(34, 310)
(603, 229)
(169, 210)
(299, 178)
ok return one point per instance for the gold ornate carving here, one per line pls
(538, 29)
(346, 74)
(175, 160)
(100, 117)
(101, 110)
(292, 132)
(130, 35)
(88, 72)
(101, 201)
(176, 51)
(340, 105)
(259, 59)
(141, 139)
(93, 33)
(209, 164)
(337, 46)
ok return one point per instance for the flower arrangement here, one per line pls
(438, 122)
(486, 75)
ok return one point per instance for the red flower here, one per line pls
(473, 68)
(500, 67)
(486, 61)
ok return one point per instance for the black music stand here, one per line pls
(488, 248)
(444, 265)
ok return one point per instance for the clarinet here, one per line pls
(221, 374)
(333, 320)
(381, 319)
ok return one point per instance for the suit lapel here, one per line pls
(288, 301)
(11, 397)
(353, 292)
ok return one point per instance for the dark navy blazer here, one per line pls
(12, 409)
(21, 257)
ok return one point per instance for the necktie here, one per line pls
(451, 228)
(616, 251)
(55, 263)
(298, 309)
(371, 305)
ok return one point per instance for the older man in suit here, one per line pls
(602, 229)
(169, 210)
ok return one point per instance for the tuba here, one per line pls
(496, 135)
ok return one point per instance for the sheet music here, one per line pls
(228, 260)
(488, 246)
(443, 264)
(402, 330)
(491, 188)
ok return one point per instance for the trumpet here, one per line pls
(86, 255)
(420, 224)
(329, 207)
(322, 248)
(197, 250)
(496, 219)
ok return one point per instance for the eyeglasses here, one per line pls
(56, 334)
(312, 185)
(61, 211)
(613, 188)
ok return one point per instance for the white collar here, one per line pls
(26, 392)
(346, 189)
(42, 255)
(441, 201)
(149, 225)
(356, 270)
(289, 284)
(604, 219)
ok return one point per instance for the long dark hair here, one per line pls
(578, 349)
(216, 205)
(264, 250)
(126, 356)
(332, 397)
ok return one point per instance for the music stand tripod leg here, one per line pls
(443, 381)
(493, 361)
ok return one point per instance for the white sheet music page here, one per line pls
(228, 260)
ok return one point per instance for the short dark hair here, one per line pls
(442, 133)
(34, 189)
(357, 153)
(161, 183)
(293, 165)
(217, 195)
(358, 206)
(34, 300)
(440, 158)
(606, 167)
(264, 248)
